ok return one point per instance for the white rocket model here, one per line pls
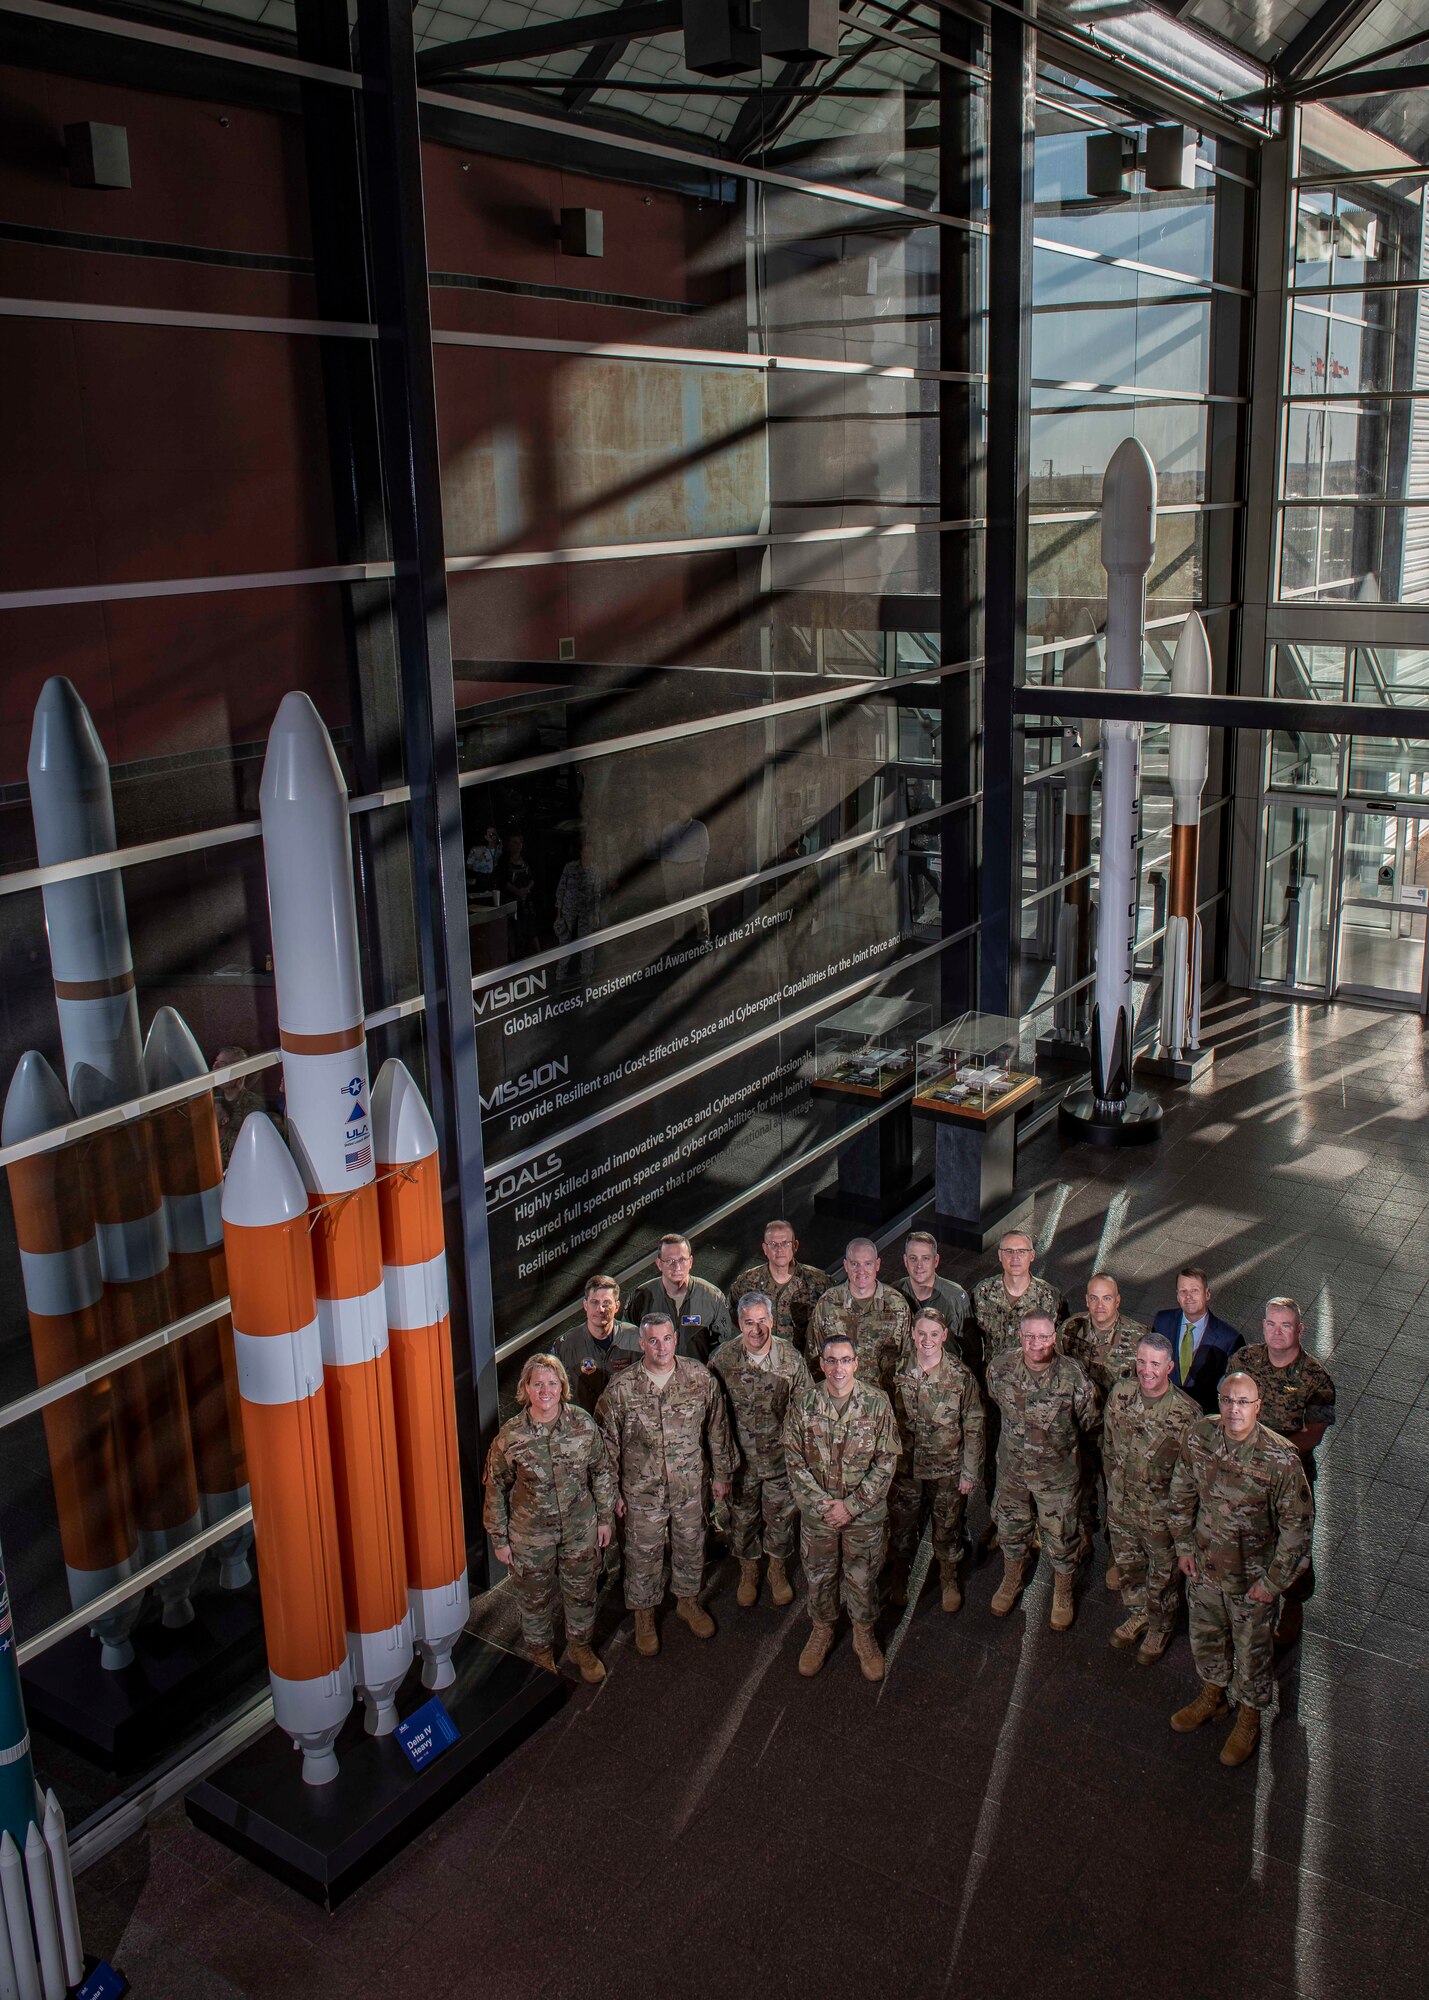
(1074, 918)
(1190, 755)
(1111, 1113)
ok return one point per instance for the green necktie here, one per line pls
(1188, 1349)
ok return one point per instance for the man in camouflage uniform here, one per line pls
(998, 1303)
(761, 1374)
(1241, 1516)
(923, 1287)
(841, 1447)
(1144, 1422)
(940, 1423)
(873, 1316)
(550, 1504)
(794, 1289)
(1297, 1400)
(592, 1353)
(1048, 1406)
(664, 1422)
(1104, 1340)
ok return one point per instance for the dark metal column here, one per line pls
(1011, 130)
(396, 232)
(961, 495)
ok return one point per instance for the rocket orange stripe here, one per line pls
(53, 1211)
(95, 989)
(270, 1277)
(295, 1535)
(364, 1434)
(210, 1373)
(347, 1243)
(411, 1198)
(126, 1173)
(186, 1136)
(321, 1045)
(425, 1401)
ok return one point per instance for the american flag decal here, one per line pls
(361, 1158)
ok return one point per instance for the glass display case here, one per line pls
(869, 1049)
(977, 1068)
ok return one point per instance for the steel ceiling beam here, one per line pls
(551, 38)
(1321, 37)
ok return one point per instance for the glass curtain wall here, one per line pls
(1140, 304)
(1344, 858)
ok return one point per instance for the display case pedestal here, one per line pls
(976, 1173)
(1063, 1050)
(1176, 1069)
(325, 1840)
(876, 1172)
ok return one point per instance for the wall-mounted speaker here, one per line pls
(720, 39)
(583, 232)
(800, 30)
(97, 155)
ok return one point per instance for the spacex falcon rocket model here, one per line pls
(1178, 1053)
(1110, 1112)
(307, 853)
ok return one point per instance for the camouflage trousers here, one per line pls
(762, 1516)
(1146, 1556)
(848, 1557)
(546, 1578)
(652, 1525)
(1049, 1505)
(1232, 1642)
(909, 1500)
(1091, 1506)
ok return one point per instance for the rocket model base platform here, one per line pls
(123, 1721)
(1176, 1069)
(1062, 1049)
(1134, 1122)
(325, 1841)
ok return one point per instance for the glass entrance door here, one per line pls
(1384, 906)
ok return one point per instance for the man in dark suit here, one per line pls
(1201, 1344)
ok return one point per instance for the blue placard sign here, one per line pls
(427, 1731)
(104, 1983)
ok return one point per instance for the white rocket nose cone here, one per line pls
(301, 762)
(35, 1102)
(1129, 510)
(69, 777)
(1191, 668)
(171, 1055)
(402, 1126)
(262, 1186)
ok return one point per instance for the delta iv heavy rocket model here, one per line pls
(339, 1291)
(1177, 1053)
(1109, 1112)
(40, 1953)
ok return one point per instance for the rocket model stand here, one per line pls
(414, 1266)
(1071, 1012)
(87, 927)
(1109, 1112)
(285, 1424)
(308, 857)
(59, 1259)
(191, 1182)
(1177, 1054)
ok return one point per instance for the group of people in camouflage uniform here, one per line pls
(857, 1412)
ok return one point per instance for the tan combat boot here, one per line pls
(1209, 1703)
(952, 1590)
(584, 1660)
(1153, 1646)
(1113, 1577)
(1010, 1589)
(780, 1588)
(1242, 1740)
(1127, 1633)
(816, 1649)
(647, 1639)
(692, 1613)
(748, 1592)
(542, 1656)
(1064, 1610)
(870, 1656)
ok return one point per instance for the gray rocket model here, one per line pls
(1110, 1112)
(1178, 1053)
(1074, 918)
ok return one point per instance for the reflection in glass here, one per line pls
(1296, 907)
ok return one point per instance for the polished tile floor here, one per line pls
(1010, 1813)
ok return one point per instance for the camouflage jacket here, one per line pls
(1044, 1417)
(701, 1319)
(548, 1483)
(1242, 1510)
(953, 1303)
(792, 1301)
(658, 1438)
(590, 1363)
(1107, 1357)
(878, 1328)
(940, 1421)
(759, 1400)
(849, 1455)
(1141, 1441)
(999, 1317)
(1290, 1397)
